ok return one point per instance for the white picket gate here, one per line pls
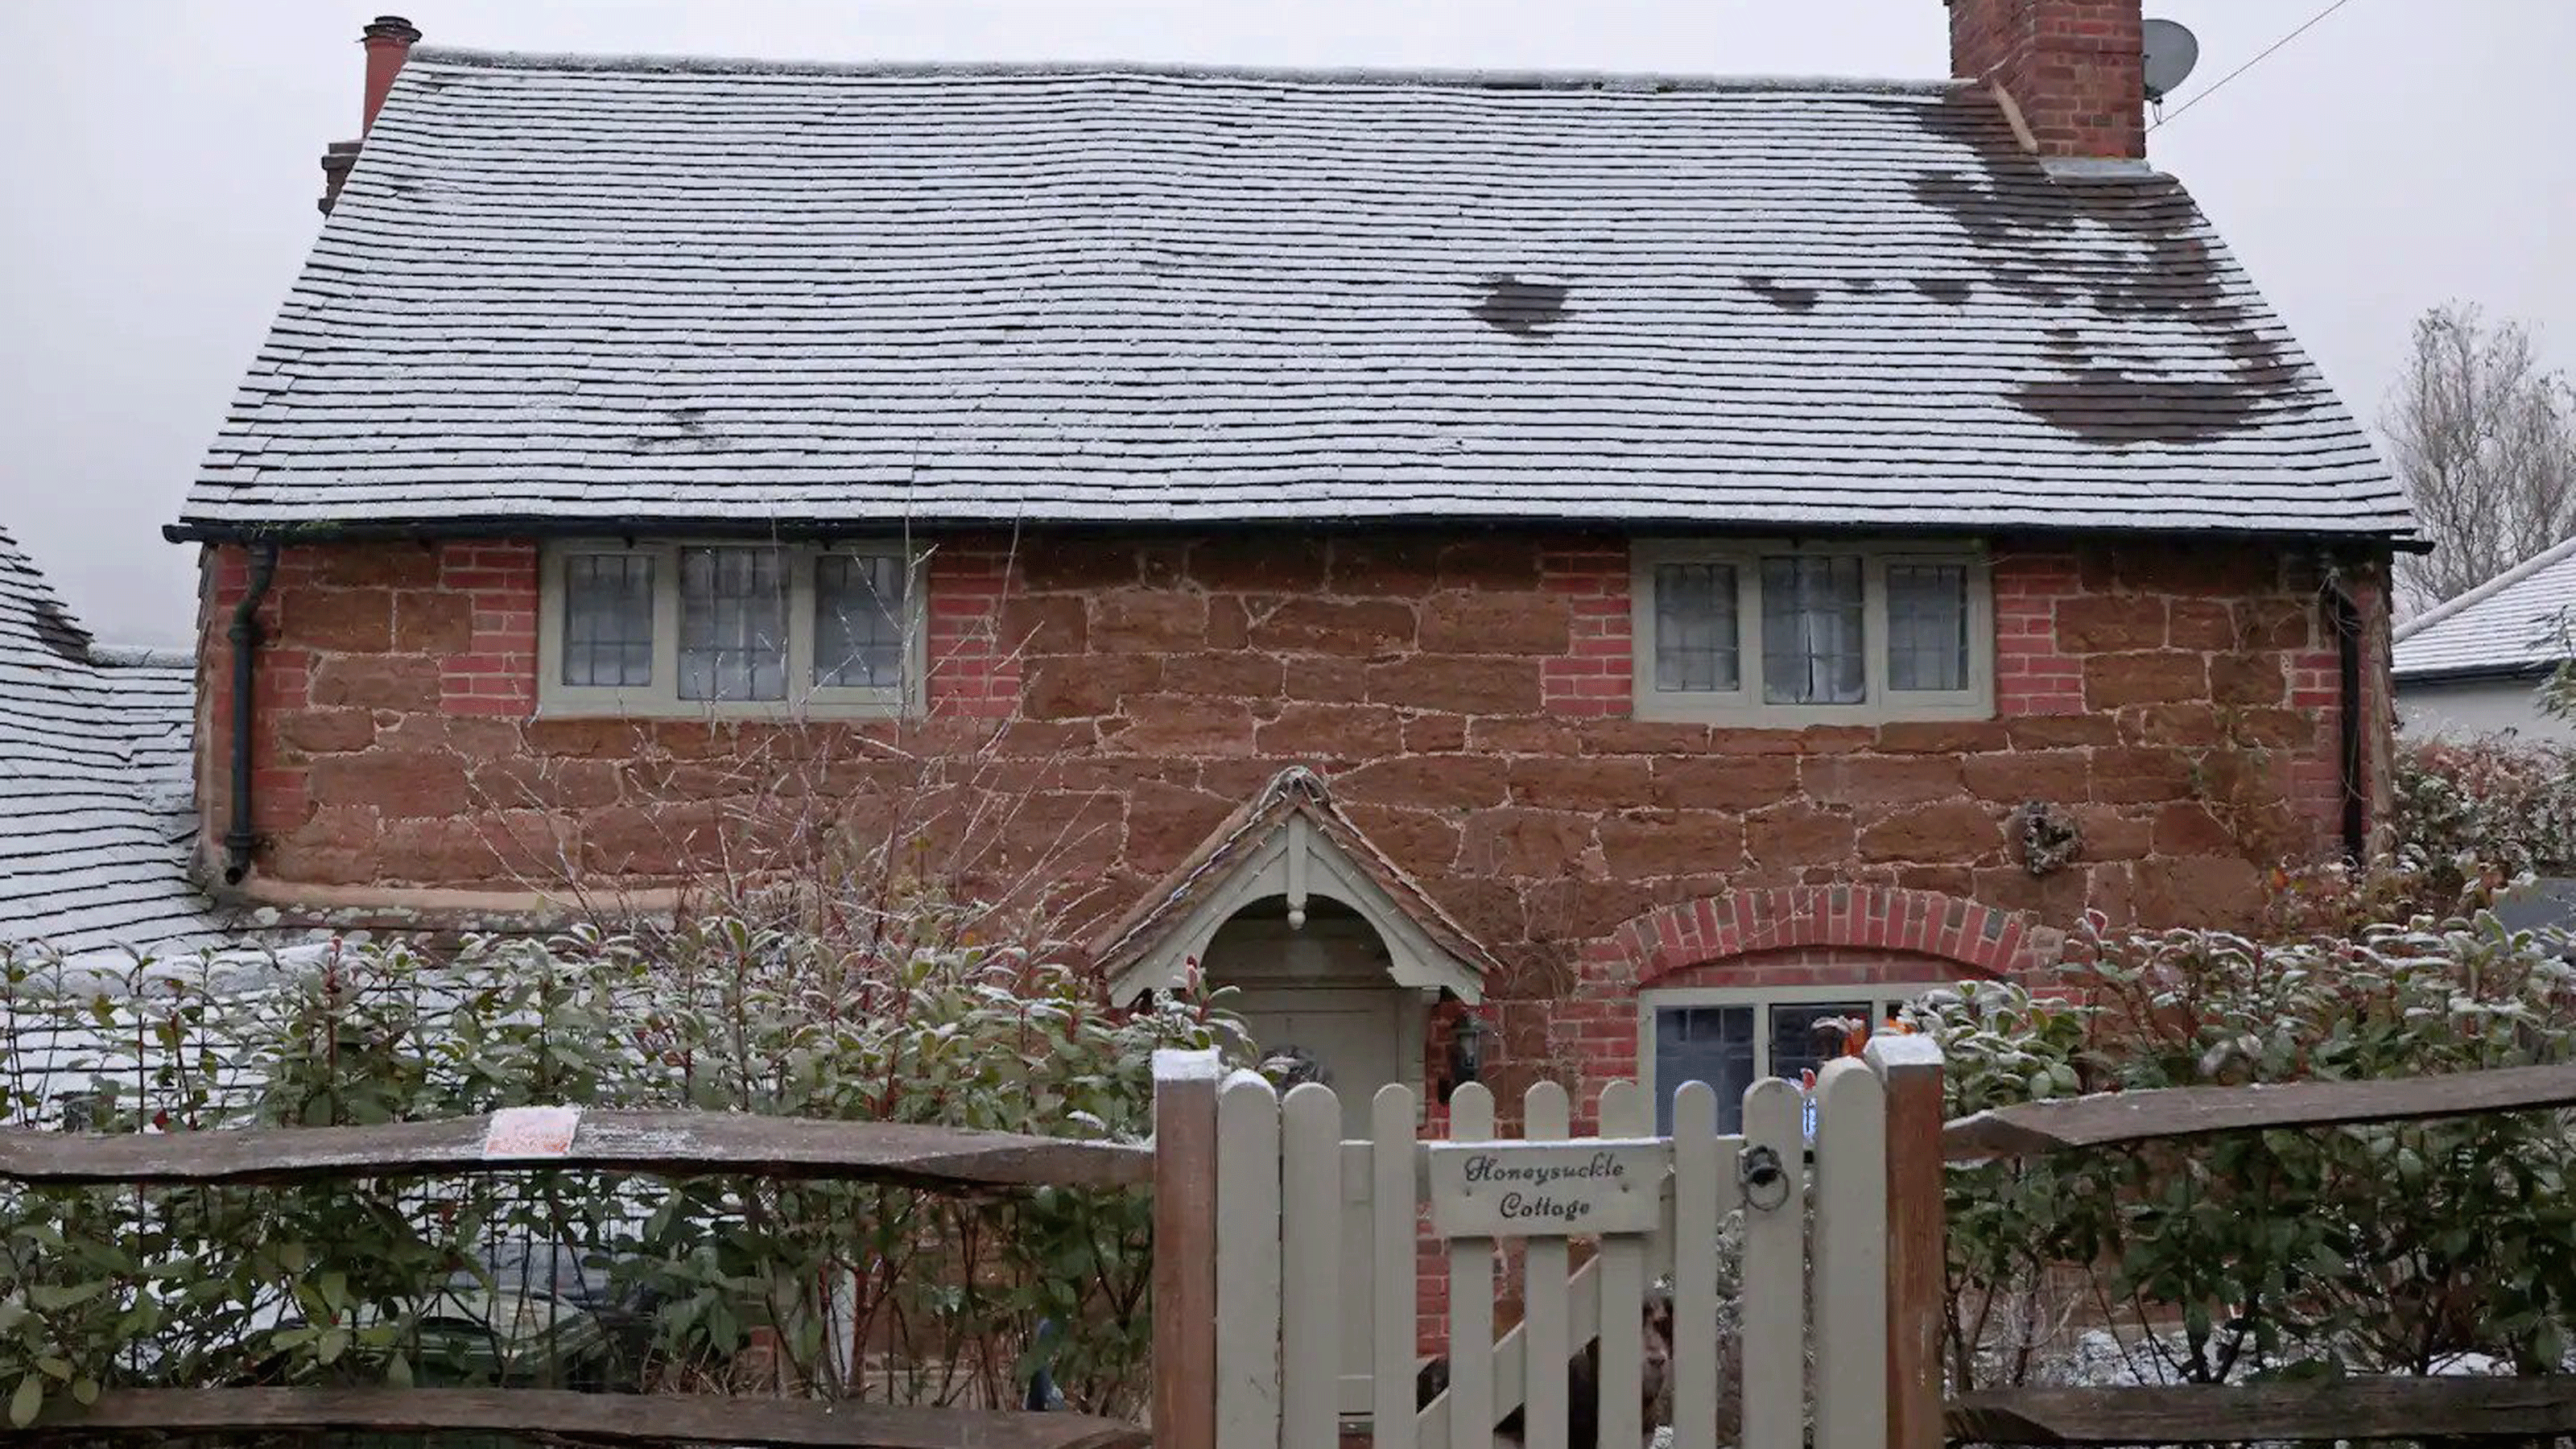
(1297, 1207)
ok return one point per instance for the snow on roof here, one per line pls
(2510, 625)
(740, 295)
(96, 812)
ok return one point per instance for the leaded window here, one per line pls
(1732, 1037)
(1812, 651)
(1788, 634)
(858, 620)
(607, 620)
(733, 624)
(1695, 634)
(749, 629)
(1927, 626)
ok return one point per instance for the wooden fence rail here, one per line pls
(584, 1418)
(2115, 1117)
(2327, 1410)
(663, 1143)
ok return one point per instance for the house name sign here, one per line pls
(1547, 1189)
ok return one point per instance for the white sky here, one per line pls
(159, 169)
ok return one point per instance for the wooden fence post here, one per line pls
(1185, 1251)
(1910, 1067)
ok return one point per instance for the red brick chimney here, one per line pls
(2074, 68)
(388, 40)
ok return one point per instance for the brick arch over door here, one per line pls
(1986, 939)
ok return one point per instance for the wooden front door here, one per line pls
(1355, 1034)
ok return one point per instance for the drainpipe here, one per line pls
(2345, 616)
(245, 637)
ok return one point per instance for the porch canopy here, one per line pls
(1290, 841)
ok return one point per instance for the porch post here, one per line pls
(1185, 1208)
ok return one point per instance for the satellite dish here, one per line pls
(2172, 51)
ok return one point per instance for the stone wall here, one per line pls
(1466, 698)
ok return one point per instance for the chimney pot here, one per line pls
(2075, 69)
(388, 40)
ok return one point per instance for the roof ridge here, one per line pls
(1497, 79)
(2537, 563)
(141, 656)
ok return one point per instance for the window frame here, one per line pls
(1744, 705)
(1653, 1000)
(661, 699)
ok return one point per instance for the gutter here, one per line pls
(538, 526)
(2475, 674)
(2346, 618)
(245, 635)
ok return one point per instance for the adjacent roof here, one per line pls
(2513, 624)
(96, 812)
(750, 295)
(1289, 840)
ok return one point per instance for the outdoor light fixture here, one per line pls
(1466, 1054)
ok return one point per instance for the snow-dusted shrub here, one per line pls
(827, 1288)
(2488, 809)
(2391, 1247)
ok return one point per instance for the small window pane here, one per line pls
(608, 620)
(1712, 1044)
(858, 621)
(733, 624)
(1804, 1038)
(1811, 631)
(1695, 638)
(1927, 626)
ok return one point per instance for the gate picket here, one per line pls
(1247, 1264)
(1471, 1296)
(1771, 1296)
(1546, 1116)
(1310, 1263)
(1693, 1239)
(1851, 1258)
(1393, 1223)
(1624, 1113)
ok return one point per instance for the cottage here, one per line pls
(97, 820)
(1656, 560)
(2474, 665)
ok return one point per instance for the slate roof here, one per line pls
(96, 814)
(2508, 626)
(750, 294)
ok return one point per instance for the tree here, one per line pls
(2484, 439)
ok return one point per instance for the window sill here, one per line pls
(1665, 709)
(736, 711)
